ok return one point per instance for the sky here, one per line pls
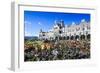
(36, 20)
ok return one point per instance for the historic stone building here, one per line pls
(61, 31)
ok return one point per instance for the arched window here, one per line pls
(77, 37)
(67, 37)
(88, 36)
(72, 37)
(82, 37)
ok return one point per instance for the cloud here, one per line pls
(27, 22)
(39, 23)
(28, 34)
(30, 30)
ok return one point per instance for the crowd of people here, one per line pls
(58, 50)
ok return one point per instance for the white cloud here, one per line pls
(27, 22)
(39, 23)
(28, 34)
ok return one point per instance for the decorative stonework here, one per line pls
(74, 31)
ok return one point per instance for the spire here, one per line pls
(62, 23)
(40, 30)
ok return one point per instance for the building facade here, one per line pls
(61, 31)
